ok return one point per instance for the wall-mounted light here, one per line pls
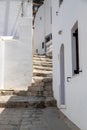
(60, 32)
(40, 18)
(57, 13)
(68, 79)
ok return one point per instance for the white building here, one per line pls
(69, 29)
(70, 63)
(43, 32)
(15, 44)
(58, 23)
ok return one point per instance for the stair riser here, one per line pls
(43, 65)
(47, 92)
(42, 69)
(36, 84)
(41, 75)
(35, 89)
(6, 93)
(48, 86)
(41, 104)
(42, 59)
(13, 93)
(40, 94)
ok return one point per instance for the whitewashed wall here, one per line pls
(9, 16)
(39, 33)
(43, 26)
(48, 22)
(75, 90)
(16, 54)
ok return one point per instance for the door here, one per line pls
(62, 77)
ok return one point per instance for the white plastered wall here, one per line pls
(16, 54)
(39, 30)
(75, 90)
(43, 26)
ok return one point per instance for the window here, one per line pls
(42, 45)
(75, 50)
(48, 38)
(37, 51)
(40, 18)
(60, 2)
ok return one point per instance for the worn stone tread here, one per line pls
(42, 68)
(25, 101)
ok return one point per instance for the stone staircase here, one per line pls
(39, 94)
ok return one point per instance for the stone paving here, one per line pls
(33, 119)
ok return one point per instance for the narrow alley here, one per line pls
(35, 108)
(43, 65)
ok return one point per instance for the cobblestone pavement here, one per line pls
(33, 119)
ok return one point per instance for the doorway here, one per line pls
(62, 77)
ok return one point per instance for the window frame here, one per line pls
(75, 49)
(43, 45)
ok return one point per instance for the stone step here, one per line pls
(22, 101)
(6, 92)
(36, 87)
(42, 71)
(47, 68)
(42, 68)
(13, 92)
(40, 93)
(42, 65)
(41, 79)
(42, 56)
(42, 62)
(41, 89)
(42, 84)
(42, 59)
(39, 56)
(31, 92)
(41, 74)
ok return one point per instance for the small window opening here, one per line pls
(42, 45)
(48, 38)
(40, 18)
(60, 2)
(37, 51)
(75, 50)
